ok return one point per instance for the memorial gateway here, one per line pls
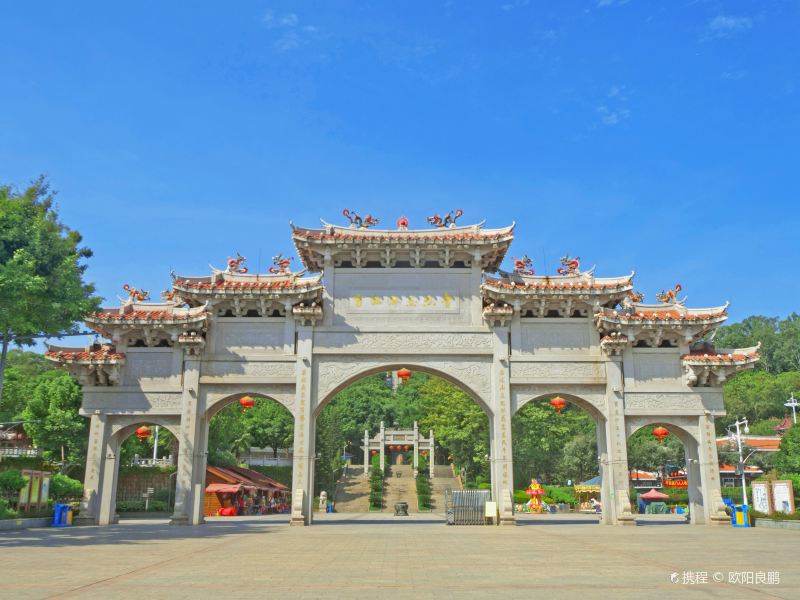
(433, 300)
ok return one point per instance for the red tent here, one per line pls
(654, 494)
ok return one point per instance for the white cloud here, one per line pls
(614, 116)
(514, 4)
(287, 26)
(732, 75)
(725, 25)
(607, 3)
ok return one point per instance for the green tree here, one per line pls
(757, 395)
(541, 436)
(22, 373)
(269, 424)
(648, 454)
(228, 436)
(787, 459)
(579, 458)
(42, 291)
(779, 338)
(52, 420)
(458, 423)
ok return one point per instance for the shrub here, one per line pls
(63, 487)
(6, 512)
(11, 482)
(139, 506)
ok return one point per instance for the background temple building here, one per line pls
(433, 300)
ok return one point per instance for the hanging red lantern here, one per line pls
(558, 403)
(406, 447)
(246, 402)
(424, 453)
(373, 452)
(404, 374)
(391, 448)
(143, 433)
(660, 433)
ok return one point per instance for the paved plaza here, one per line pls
(378, 556)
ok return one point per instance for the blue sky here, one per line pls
(655, 136)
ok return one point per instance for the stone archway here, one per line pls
(705, 499)
(437, 368)
(593, 404)
(120, 428)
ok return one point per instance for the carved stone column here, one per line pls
(708, 466)
(616, 503)
(500, 430)
(95, 462)
(303, 460)
(191, 449)
(107, 513)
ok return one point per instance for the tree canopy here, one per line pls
(42, 290)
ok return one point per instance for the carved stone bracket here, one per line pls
(307, 314)
(192, 343)
(614, 343)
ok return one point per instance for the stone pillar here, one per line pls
(107, 513)
(367, 455)
(303, 462)
(432, 454)
(95, 462)
(502, 471)
(382, 438)
(697, 511)
(416, 449)
(616, 502)
(188, 481)
(708, 467)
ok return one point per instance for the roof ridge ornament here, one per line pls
(570, 266)
(281, 265)
(135, 294)
(235, 264)
(448, 220)
(524, 265)
(356, 222)
(631, 298)
(671, 296)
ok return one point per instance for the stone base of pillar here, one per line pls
(297, 521)
(507, 521)
(626, 520)
(723, 519)
(82, 519)
(179, 520)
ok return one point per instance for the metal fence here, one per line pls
(466, 507)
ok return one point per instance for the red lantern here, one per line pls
(660, 433)
(374, 452)
(424, 453)
(246, 402)
(406, 447)
(391, 448)
(558, 403)
(404, 374)
(143, 433)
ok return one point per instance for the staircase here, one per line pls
(442, 480)
(400, 488)
(352, 492)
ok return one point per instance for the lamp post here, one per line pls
(793, 404)
(155, 445)
(740, 425)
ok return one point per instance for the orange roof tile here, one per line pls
(102, 354)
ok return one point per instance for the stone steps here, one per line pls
(352, 492)
(400, 489)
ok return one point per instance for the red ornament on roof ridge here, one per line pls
(136, 294)
(448, 220)
(570, 266)
(281, 265)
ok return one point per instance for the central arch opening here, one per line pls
(399, 434)
(556, 440)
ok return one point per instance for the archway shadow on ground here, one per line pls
(131, 532)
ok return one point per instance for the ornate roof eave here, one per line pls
(311, 244)
(717, 365)
(223, 284)
(534, 286)
(647, 320)
(97, 365)
(103, 354)
(138, 315)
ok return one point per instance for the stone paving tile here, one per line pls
(361, 556)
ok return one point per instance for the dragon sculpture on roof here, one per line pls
(448, 220)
